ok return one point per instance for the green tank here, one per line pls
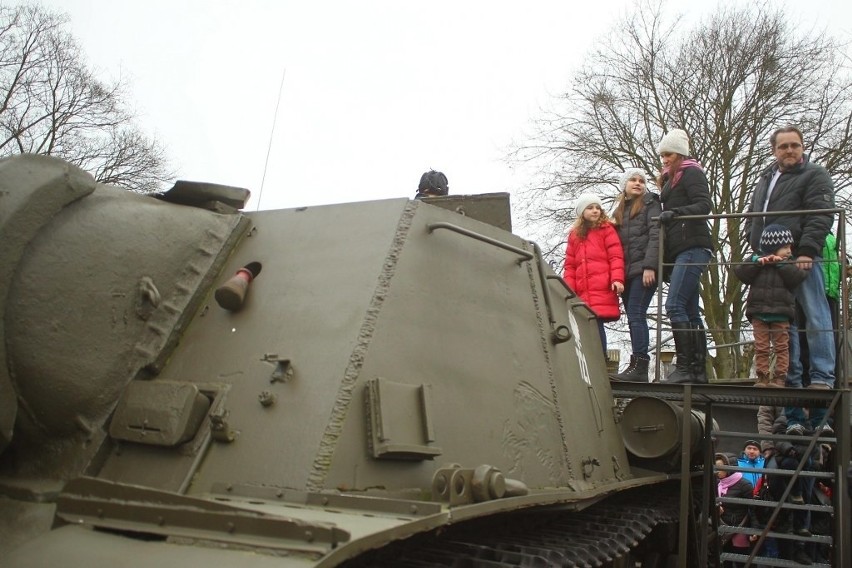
(386, 383)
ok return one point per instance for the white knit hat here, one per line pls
(585, 200)
(629, 173)
(674, 141)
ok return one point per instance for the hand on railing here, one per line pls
(769, 259)
(667, 217)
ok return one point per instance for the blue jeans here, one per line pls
(636, 299)
(683, 296)
(821, 352)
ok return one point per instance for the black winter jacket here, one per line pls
(640, 236)
(691, 196)
(733, 513)
(807, 186)
(771, 287)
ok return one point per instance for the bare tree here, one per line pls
(51, 103)
(729, 82)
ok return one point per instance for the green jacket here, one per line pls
(831, 267)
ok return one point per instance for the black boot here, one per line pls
(684, 354)
(637, 372)
(699, 361)
(617, 376)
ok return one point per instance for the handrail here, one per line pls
(524, 254)
(841, 400)
(840, 331)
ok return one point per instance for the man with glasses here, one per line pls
(793, 183)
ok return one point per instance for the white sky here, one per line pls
(375, 92)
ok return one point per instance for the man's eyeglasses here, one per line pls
(788, 145)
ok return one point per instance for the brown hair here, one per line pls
(674, 166)
(783, 130)
(635, 208)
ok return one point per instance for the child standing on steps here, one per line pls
(594, 261)
(770, 305)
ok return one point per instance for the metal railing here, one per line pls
(841, 331)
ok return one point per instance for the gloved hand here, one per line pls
(667, 217)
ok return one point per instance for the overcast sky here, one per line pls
(374, 92)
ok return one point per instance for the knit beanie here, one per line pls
(585, 200)
(674, 141)
(774, 237)
(433, 183)
(629, 173)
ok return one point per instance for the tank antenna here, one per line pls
(271, 135)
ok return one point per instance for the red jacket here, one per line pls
(592, 265)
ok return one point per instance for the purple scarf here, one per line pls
(727, 482)
(687, 163)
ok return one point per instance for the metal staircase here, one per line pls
(708, 398)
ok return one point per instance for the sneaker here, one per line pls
(824, 430)
(795, 430)
(819, 386)
(797, 499)
(803, 532)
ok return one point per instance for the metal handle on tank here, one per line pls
(526, 255)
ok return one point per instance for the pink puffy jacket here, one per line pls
(592, 265)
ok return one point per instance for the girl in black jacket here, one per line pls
(687, 245)
(635, 218)
(733, 485)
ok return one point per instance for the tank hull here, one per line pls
(300, 387)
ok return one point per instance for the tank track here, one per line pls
(596, 536)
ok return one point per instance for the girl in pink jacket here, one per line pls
(594, 261)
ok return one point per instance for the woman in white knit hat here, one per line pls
(635, 218)
(594, 262)
(687, 250)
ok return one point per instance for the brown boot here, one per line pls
(778, 381)
(762, 379)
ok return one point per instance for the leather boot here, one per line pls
(699, 359)
(638, 372)
(778, 381)
(684, 354)
(762, 379)
(628, 370)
